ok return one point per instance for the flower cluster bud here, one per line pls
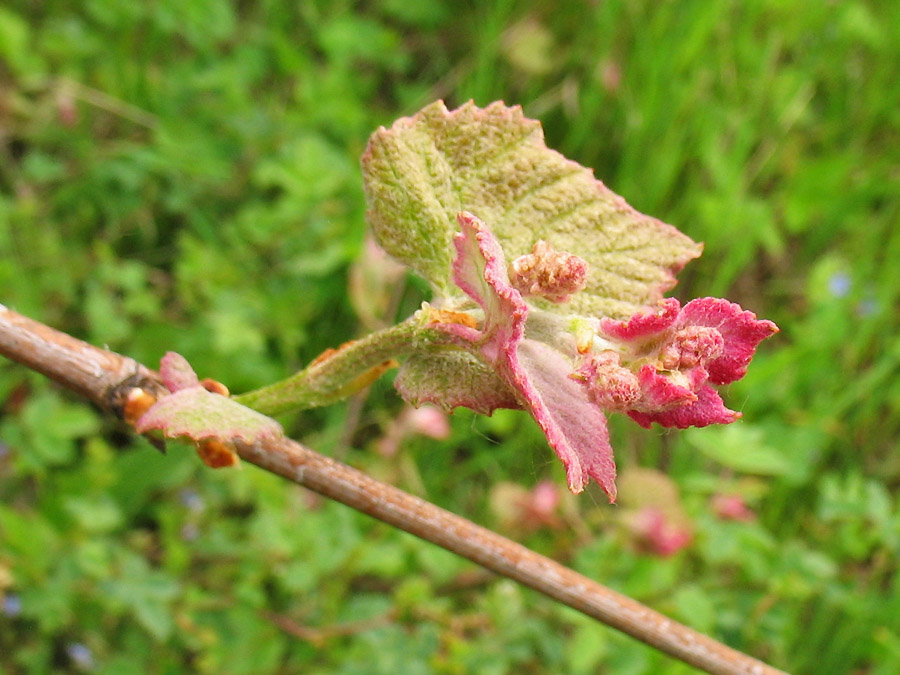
(658, 366)
(608, 383)
(548, 273)
(690, 347)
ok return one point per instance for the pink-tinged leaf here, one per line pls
(659, 392)
(643, 324)
(707, 409)
(176, 373)
(453, 378)
(740, 328)
(197, 414)
(493, 162)
(535, 372)
(194, 412)
(480, 270)
(575, 428)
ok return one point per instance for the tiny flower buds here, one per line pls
(692, 346)
(608, 384)
(547, 273)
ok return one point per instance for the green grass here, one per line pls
(184, 175)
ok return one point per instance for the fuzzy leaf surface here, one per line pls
(451, 379)
(194, 413)
(537, 373)
(197, 414)
(493, 162)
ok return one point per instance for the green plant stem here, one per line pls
(335, 376)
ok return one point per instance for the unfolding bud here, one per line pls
(550, 274)
(608, 384)
(692, 346)
(680, 351)
(524, 346)
(202, 413)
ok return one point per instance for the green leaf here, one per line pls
(15, 43)
(695, 607)
(95, 513)
(740, 447)
(493, 162)
(146, 593)
(30, 540)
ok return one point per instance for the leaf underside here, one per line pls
(197, 414)
(451, 379)
(194, 413)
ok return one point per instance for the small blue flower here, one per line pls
(839, 284)
(81, 655)
(11, 605)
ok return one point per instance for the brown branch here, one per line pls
(100, 375)
(106, 378)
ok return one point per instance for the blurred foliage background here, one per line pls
(183, 174)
